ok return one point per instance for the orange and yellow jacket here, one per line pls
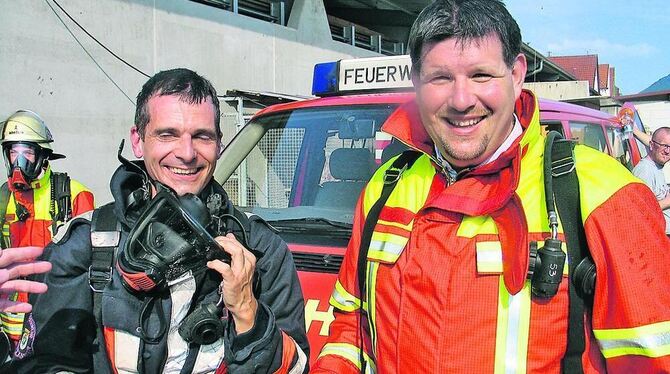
(36, 229)
(446, 287)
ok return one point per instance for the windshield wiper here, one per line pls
(309, 223)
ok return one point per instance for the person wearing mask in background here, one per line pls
(169, 277)
(35, 201)
(650, 170)
(444, 268)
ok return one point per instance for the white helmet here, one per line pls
(26, 145)
(27, 126)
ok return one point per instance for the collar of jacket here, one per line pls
(125, 180)
(485, 190)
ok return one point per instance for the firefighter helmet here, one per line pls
(27, 140)
(27, 126)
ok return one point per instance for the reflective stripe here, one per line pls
(489, 257)
(350, 353)
(389, 240)
(343, 300)
(126, 351)
(648, 340)
(373, 267)
(301, 362)
(512, 329)
(386, 251)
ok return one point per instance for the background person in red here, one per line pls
(445, 272)
(35, 200)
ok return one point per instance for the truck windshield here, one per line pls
(310, 166)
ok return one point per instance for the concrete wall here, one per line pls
(88, 101)
(654, 114)
(559, 90)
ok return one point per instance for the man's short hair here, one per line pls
(465, 20)
(187, 84)
(658, 131)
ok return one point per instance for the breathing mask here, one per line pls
(24, 162)
(171, 237)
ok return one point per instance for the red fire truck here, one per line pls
(302, 165)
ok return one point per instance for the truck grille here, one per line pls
(317, 262)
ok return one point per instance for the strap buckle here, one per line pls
(392, 175)
(562, 166)
(99, 278)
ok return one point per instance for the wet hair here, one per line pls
(187, 84)
(465, 20)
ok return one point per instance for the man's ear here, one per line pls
(136, 142)
(519, 73)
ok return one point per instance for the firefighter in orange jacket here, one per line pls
(445, 288)
(35, 199)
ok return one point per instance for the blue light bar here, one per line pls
(373, 74)
(324, 81)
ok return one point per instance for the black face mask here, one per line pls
(172, 236)
(23, 171)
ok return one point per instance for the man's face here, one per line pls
(659, 148)
(466, 94)
(180, 146)
(21, 149)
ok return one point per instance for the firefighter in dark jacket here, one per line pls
(196, 286)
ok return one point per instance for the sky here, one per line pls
(633, 36)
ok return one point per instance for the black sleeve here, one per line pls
(62, 327)
(281, 308)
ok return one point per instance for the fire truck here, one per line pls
(302, 165)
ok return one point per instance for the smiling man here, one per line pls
(650, 170)
(436, 278)
(169, 277)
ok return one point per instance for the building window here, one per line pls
(275, 11)
(359, 36)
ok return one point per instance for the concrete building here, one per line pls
(86, 95)
(80, 63)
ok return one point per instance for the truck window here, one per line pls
(547, 126)
(590, 134)
(311, 162)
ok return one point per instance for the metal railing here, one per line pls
(267, 10)
(359, 36)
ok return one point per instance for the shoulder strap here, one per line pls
(105, 238)
(566, 193)
(60, 195)
(391, 178)
(4, 200)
